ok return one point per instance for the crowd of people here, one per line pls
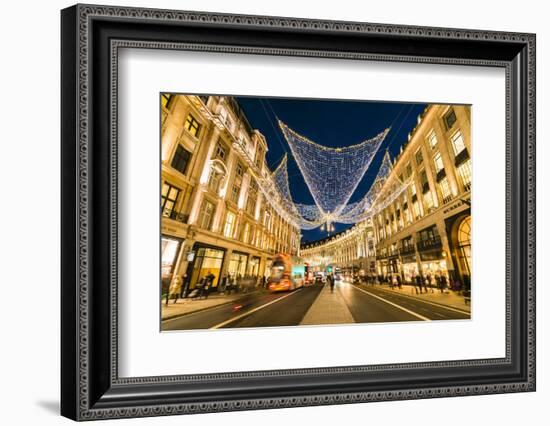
(427, 283)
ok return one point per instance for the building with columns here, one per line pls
(426, 229)
(215, 217)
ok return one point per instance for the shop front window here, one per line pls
(169, 252)
(434, 269)
(253, 267)
(237, 265)
(208, 262)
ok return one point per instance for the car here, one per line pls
(319, 279)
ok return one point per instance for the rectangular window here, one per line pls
(239, 170)
(424, 182)
(246, 233)
(169, 198)
(214, 180)
(418, 157)
(416, 209)
(445, 190)
(220, 152)
(235, 190)
(409, 170)
(438, 162)
(407, 213)
(428, 200)
(432, 139)
(229, 224)
(450, 119)
(465, 173)
(206, 214)
(430, 233)
(181, 159)
(250, 204)
(192, 125)
(457, 140)
(166, 100)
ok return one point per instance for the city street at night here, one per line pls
(316, 304)
(287, 212)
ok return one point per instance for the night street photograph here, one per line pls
(283, 212)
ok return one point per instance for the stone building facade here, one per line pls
(215, 218)
(426, 230)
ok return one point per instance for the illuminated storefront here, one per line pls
(237, 265)
(434, 268)
(410, 269)
(465, 245)
(253, 266)
(170, 248)
(208, 260)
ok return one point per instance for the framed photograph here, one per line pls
(263, 212)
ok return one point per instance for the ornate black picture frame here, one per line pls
(91, 37)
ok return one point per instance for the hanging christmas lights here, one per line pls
(331, 174)
(328, 210)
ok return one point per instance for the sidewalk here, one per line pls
(189, 306)
(328, 308)
(450, 299)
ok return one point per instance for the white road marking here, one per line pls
(393, 304)
(230, 320)
(440, 305)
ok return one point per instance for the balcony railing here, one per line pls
(381, 256)
(429, 244)
(171, 214)
(408, 249)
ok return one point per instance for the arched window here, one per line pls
(465, 243)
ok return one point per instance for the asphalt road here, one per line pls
(269, 310)
(366, 305)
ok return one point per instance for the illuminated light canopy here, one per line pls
(331, 174)
(384, 190)
(379, 196)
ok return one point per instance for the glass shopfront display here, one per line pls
(253, 266)
(410, 271)
(237, 265)
(434, 268)
(169, 254)
(208, 261)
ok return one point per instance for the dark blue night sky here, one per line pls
(330, 123)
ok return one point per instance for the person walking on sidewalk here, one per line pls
(429, 281)
(424, 284)
(175, 289)
(418, 283)
(223, 284)
(209, 281)
(331, 282)
(438, 283)
(444, 283)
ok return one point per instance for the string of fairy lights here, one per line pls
(331, 175)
